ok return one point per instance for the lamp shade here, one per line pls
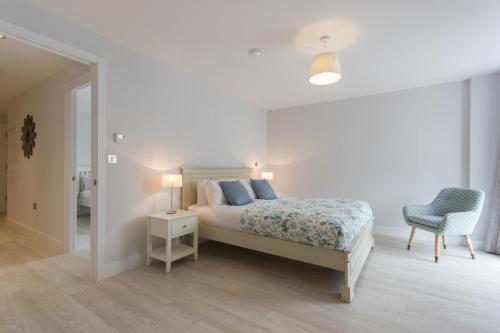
(325, 69)
(169, 180)
(267, 175)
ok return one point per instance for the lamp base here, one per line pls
(171, 212)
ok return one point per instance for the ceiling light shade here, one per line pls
(325, 69)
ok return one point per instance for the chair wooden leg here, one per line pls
(412, 234)
(469, 246)
(436, 248)
(444, 242)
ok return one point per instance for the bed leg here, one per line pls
(347, 291)
(346, 294)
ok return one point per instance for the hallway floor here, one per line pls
(82, 241)
(16, 248)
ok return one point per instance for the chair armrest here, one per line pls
(461, 223)
(418, 210)
(461, 216)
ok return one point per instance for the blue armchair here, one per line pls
(455, 211)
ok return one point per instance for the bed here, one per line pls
(84, 198)
(226, 224)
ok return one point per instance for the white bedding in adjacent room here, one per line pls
(85, 198)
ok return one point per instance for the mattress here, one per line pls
(224, 216)
(85, 198)
(329, 223)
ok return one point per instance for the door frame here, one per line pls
(98, 81)
(71, 161)
(4, 167)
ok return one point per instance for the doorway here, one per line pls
(96, 78)
(80, 109)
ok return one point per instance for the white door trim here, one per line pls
(70, 159)
(97, 78)
(3, 168)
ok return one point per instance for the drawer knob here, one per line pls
(184, 226)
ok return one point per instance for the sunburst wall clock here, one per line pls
(29, 136)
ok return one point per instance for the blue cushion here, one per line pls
(263, 189)
(235, 193)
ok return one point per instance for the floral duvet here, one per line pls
(329, 223)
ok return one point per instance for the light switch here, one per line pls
(112, 159)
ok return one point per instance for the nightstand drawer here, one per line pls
(184, 226)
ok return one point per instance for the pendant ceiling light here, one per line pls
(325, 67)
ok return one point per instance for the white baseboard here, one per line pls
(38, 236)
(404, 233)
(122, 265)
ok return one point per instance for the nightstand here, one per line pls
(171, 227)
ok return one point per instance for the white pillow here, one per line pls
(214, 194)
(247, 185)
(201, 196)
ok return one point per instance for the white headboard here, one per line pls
(190, 177)
(84, 176)
(84, 170)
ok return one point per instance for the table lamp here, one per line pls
(170, 180)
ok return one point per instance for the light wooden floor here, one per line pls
(82, 241)
(16, 248)
(235, 290)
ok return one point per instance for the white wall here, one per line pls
(83, 106)
(169, 120)
(39, 179)
(3, 114)
(485, 141)
(390, 149)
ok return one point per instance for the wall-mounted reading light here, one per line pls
(118, 137)
(256, 52)
(267, 175)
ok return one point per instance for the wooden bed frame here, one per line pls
(350, 261)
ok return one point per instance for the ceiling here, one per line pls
(23, 66)
(384, 45)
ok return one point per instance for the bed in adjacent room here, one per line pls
(84, 196)
(333, 233)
